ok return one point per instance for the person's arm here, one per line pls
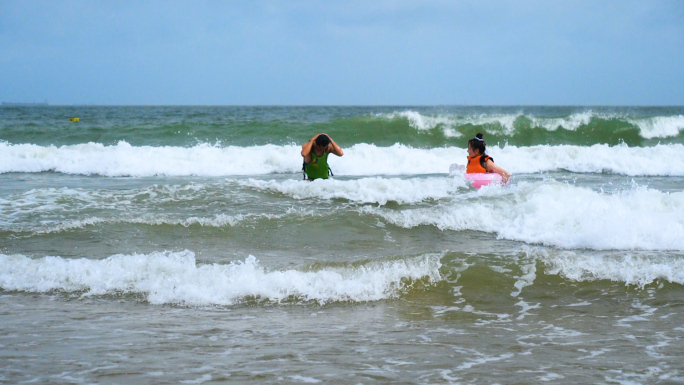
(334, 148)
(306, 149)
(492, 167)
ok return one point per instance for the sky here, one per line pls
(427, 52)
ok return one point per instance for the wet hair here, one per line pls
(322, 140)
(477, 143)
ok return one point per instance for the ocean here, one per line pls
(172, 245)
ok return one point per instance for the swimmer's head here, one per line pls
(477, 144)
(322, 140)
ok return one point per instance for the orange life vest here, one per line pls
(476, 164)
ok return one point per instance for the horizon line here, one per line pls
(13, 104)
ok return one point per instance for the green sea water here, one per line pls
(415, 126)
(182, 245)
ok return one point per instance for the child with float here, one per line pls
(480, 163)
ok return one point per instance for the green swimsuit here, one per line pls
(318, 168)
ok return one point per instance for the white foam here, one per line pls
(449, 122)
(175, 278)
(69, 199)
(525, 279)
(308, 380)
(366, 190)
(367, 159)
(659, 126)
(424, 122)
(501, 123)
(649, 127)
(620, 159)
(571, 123)
(547, 212)
(219, 220)
(123, 159)
(632, 269)
(559, 214)
(43, 210)
(572, 217)
(481, 359)
(505, 121)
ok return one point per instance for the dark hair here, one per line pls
(322, 140)
(478, 143)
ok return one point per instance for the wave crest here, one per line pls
(560, 215)
(175, 278)
(359, 160)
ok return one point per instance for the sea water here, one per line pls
(182, 245)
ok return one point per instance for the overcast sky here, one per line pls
(342, 52)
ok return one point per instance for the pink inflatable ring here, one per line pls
(482, 179)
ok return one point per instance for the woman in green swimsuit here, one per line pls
(315, 153)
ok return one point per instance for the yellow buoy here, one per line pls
(74, 119)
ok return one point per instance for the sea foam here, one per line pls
(659, 126)
(632, 217)
(176, 278)
(620, 159)
(365, 190)
(363, 159)
(649, 127)
(632, 269)
(558, 214)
